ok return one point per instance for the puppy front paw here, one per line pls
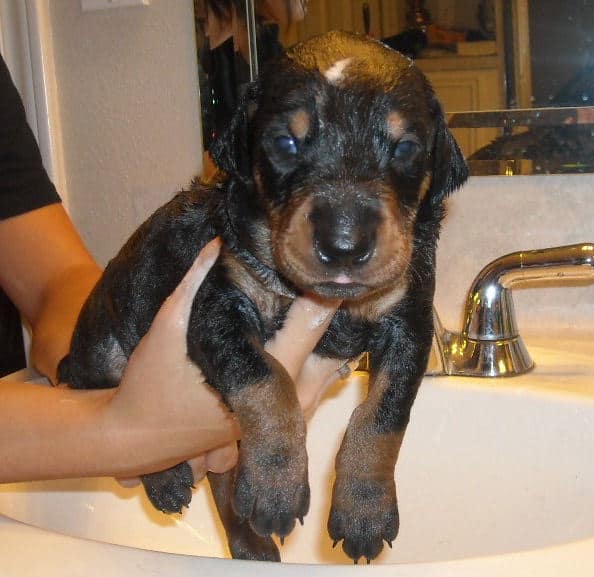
(271, 488)
(170, 490)
(363, 515)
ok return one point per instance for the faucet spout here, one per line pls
(489, 307)
(490, 343)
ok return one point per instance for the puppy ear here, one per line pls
(230, 150)
(450, 170)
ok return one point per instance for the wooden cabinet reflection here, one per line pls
(462, 83)
(467, 84)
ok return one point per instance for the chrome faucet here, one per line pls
(490, 344)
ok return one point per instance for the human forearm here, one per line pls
(51, 433)
(56, 319)
(161, 414)
(47, 273)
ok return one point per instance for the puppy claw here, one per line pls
(300, 521)
(368, 560)
(335, 543)
(282, 541)
(388, 543)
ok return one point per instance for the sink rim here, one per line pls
(576, 558)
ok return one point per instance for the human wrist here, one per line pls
(141, 442)
(51, 433)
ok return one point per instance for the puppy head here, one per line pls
(346, 145)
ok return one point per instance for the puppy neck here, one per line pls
(237, 259)
(247, 245)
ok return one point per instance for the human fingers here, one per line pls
(316, 376)
(163, 348)
(222, 459)
(306, 322)
(199, 468)
(178, 305)
(218, 460)
(129, 483)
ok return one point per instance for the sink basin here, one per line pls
(489, 468)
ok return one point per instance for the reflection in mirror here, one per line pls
(534, 140)
(234, 38)
(479, 55)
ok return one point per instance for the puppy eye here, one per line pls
(286, 145)
(406, 148)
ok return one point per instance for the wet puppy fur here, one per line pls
(336, 166)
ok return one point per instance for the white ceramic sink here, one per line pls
(489, 469)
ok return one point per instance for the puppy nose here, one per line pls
(344, 247)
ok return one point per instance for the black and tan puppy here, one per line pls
(336, 167)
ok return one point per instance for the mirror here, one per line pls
(515, 77)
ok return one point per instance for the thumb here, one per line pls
(178, 305)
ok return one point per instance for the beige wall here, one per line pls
(127, 92)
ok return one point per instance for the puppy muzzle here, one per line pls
(341, 248)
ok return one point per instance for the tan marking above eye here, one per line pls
(299, 123)
(396, 125)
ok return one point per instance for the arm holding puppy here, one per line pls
(162, 413)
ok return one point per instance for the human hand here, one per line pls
(186, 417)
(163, 402)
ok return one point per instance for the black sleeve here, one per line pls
(24, 183)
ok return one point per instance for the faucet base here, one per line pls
(462, 356)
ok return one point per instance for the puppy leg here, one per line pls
(364, 510)
(271, 487)
(244, 543)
